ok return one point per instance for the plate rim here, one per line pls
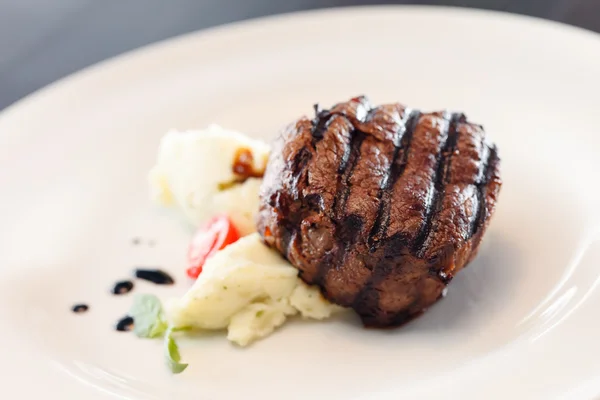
(145, 51)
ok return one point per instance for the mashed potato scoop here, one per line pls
(250, 290)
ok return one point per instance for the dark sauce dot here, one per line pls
(125, 324)
(122, 287)
(155, 276)
(80, 308)
(136, 241)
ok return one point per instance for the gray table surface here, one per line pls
(44, 40)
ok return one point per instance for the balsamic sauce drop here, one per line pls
(125, 324)
(122, 287)
(155, 276)
(80, 308)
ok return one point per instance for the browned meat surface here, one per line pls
(379, 206)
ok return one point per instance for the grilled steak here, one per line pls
(379, 206)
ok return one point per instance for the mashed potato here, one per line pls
(194, 173)
(245, 288)
(248, 289)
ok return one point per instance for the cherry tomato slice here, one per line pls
(217, 233)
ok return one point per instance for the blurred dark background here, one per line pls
(44, 40)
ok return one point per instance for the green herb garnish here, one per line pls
(149, 321)
(148, 317)
(172, 355)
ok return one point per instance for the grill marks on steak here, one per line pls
(464, 181)
(414, 192)
(402, 141)
(323, 192)
(449, 135)
(453, 209)
(382, 161)
(379, 206)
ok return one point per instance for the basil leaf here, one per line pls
(148, 317)
(149, 322)
(172, 355)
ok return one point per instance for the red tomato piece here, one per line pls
(217, 233)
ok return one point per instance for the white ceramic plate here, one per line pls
(521, 321)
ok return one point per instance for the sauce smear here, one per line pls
(80, 308)
(122, 287)
(125, 324)
(155, 276)
(243, 165)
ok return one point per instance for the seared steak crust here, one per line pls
(379, 206)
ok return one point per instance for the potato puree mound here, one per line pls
(250, 290)
(194, 174)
